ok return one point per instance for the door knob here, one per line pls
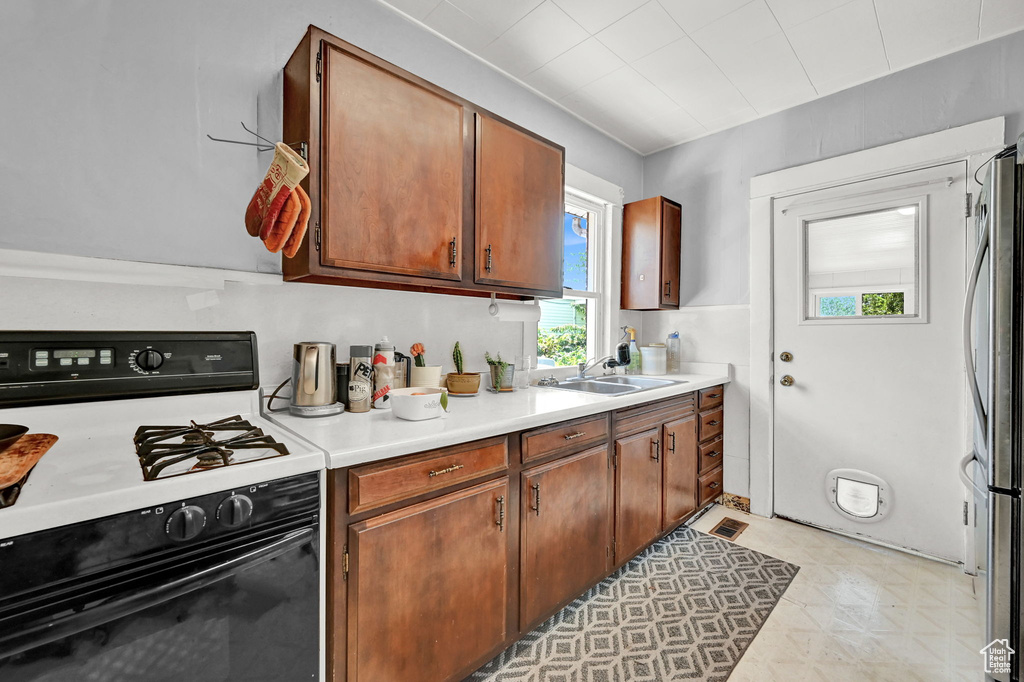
(787, 380)
(786, 356)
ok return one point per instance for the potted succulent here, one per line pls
(461, 381)
(501, 373)
(423, 374)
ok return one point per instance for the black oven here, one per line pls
(210, 589)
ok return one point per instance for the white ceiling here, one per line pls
(655, 73)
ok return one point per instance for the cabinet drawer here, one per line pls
(565, 438)
(711, 455)
(710, 486)
(710, 425)
(710, 397)
(376, 485)
(652, 415)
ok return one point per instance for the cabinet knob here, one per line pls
(787, 380)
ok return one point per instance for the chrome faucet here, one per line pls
(619, 359)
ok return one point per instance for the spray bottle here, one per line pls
(634, 353)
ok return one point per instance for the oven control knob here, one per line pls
(149, 360)
(185, 523)
(234, 511)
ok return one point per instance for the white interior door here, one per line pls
(869, 282)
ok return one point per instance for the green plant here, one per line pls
(890, 303)
(565, 344)
(419, 354)
(499, 374)
(457, 359)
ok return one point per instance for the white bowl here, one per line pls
(416, 403)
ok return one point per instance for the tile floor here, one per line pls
(858, 612)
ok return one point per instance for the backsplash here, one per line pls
(280, 315)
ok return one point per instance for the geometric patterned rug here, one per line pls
(684, 609)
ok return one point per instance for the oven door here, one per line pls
(248, 612)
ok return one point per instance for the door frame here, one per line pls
(973, 143)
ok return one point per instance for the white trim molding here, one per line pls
(37, 265)
(973, 143)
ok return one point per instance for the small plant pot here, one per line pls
(464, 383)
(429, 376)
(506, 380)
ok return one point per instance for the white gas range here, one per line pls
(169, 515)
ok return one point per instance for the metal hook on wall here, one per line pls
(266, 145)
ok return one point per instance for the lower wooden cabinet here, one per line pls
(439, 560)
(566, 531)
(679, 489)
(637, 492)
(428, 587)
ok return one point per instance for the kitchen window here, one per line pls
(570, 330)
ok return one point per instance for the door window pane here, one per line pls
(837, 306)
(863, 265)
(888, 303)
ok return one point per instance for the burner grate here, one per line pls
(210, 445)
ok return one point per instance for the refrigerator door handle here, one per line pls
(972, 287)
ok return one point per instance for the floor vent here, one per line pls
(729, 528)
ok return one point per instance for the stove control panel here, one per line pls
(54, 367)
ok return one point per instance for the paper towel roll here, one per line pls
(517, 312)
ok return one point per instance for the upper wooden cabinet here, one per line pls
(519, 207)
(650, 254)
(415, 188)
(391, 171)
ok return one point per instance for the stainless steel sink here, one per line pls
(615, 385)
(642, 382)
(602, 387)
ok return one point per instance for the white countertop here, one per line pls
(351, 439)
(92, 471)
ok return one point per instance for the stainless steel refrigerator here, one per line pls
(994, 349)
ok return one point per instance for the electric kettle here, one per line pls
(314, 382)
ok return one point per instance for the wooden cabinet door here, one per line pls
(680, 470)
(671, 225)
(637, 492)
(428, 587)
(519, 208)
(566, 531)
(392, 178)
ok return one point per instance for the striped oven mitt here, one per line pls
(279, 204)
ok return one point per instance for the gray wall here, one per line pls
(106, 105)
(711, 176)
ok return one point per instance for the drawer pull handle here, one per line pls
(713, 485)
(501, 514)
(714, 422)
(657, 450)
(453, 252)
(574, 436)
(536, 493)
(714, 395)
(488, 257)
(714, 453)
(454, 467)
(673, 448)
